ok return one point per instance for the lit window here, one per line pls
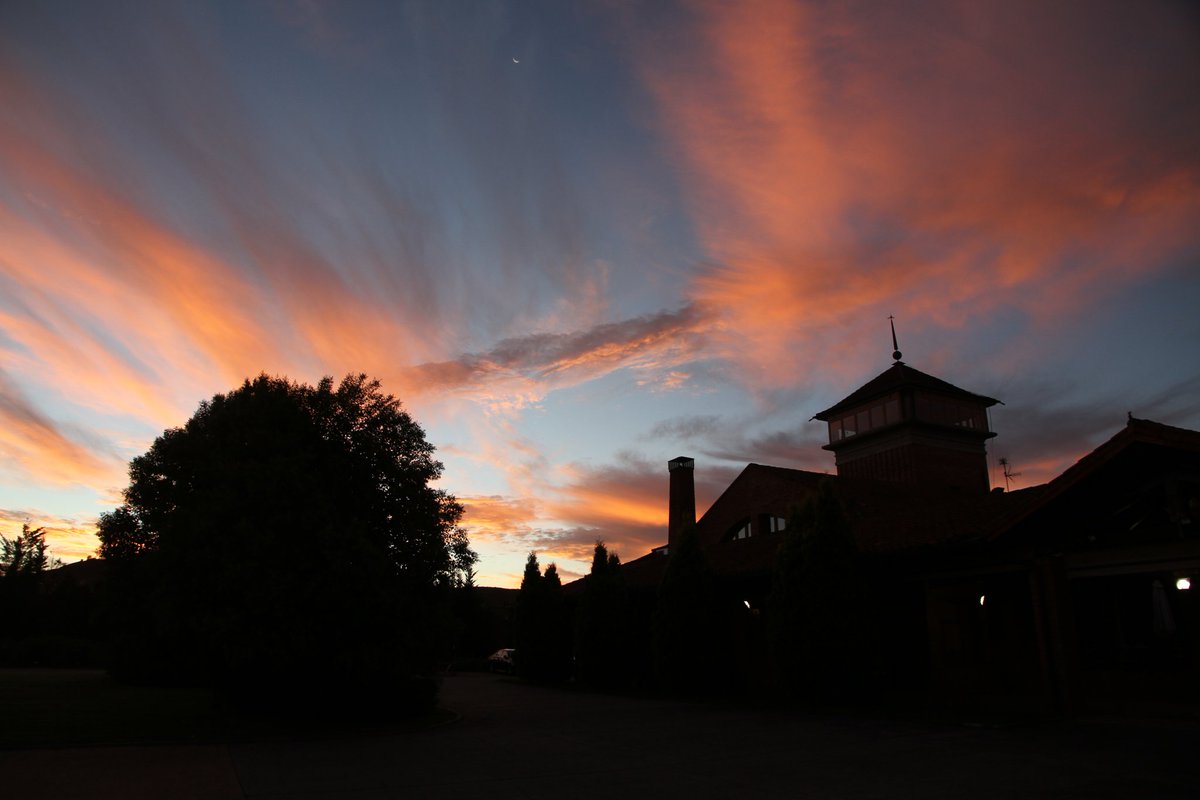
(776, 524)
(742, 532)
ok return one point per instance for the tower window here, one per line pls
(883, 412)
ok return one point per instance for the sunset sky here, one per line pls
(578, 239)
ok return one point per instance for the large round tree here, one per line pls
(286, 542)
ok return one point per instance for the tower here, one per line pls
(910, 427)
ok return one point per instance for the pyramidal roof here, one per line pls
(900, 376)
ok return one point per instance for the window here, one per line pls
(775, 524)
(740, 531)
(848, 427)
(945, 411)
(867, 418)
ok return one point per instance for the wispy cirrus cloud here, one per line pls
(35, 447)
(522, 370)
(940, 162)
(726, 198)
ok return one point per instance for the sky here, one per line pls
(578, 239)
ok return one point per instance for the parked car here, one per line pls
(503, 660)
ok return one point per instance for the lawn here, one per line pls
(69, 707)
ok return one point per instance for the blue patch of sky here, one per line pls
(73, 502)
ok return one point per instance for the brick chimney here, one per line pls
(681, 513)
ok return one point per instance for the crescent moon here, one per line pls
(516, 60)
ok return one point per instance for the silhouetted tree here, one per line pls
(603, 635)
(23, 560)
(530, 637)
(477, 628)
(543, 632)
(816, 607)
(691, 641)
(45, 618)
(287, 542)
(25, 556)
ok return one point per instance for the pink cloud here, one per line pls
(36, 447)
(938, 162)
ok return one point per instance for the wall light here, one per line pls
(1183, 584)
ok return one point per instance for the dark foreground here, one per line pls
(518, 741)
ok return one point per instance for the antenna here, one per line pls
(1008, 473)
(896, 354)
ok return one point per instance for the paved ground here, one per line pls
(517, 741)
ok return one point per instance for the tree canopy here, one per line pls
(543, 626)
(604, 624)
(817, 603)
(692, 623)
(24, 556)
(285, 529)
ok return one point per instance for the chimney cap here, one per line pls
(681, 462)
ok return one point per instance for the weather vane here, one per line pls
(896, 354)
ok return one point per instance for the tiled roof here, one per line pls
(895, 377)
(1137, 433)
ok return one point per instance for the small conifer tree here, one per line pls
(602, 631)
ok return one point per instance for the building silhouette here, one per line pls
(1072, 594)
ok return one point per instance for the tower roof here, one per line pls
(900, 376)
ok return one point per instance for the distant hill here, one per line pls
(497, 599)
(87, 573)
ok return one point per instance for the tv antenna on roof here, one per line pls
(896, 354)
(1008, 473)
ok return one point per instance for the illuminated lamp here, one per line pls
(1183, 584)
(982, 597)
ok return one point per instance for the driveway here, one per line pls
(518, 741)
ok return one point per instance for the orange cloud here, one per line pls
(119, 302)
(939, 163)
(67, 538)
(561, 513)
(34, 446)
(496, 517)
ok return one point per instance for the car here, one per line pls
(503, 660)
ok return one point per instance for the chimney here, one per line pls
(681, 513)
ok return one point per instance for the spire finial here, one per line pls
(896, 354)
